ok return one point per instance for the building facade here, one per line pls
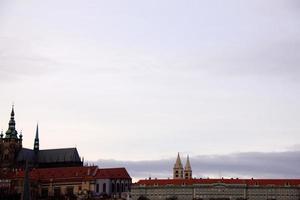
(213, 189)
(74, 182)
(188, 188)
(112, 182)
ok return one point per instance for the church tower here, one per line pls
(188, 169)
(178, 169)
(10, 144)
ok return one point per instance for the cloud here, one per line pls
(243, 165)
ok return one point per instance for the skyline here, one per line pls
(140, 81)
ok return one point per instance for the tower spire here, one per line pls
(11, 132)
(188, 169)
(178, 169)
(178, 161)
(36, 146)
(188, 164)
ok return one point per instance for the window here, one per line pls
(112, 187)
(97, 188)
(57, 191)
(118, 187)
(104, 187)
(44, 192)
(70, 190)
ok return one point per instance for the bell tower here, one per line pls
(178, 169)
(10, 144)
(188, 169)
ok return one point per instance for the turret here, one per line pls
(188, 169)
(178, 169)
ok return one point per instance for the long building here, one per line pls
(78, 182)
(188, 188)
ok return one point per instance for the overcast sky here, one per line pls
(143, 80)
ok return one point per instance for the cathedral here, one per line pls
(14, 156)
(44, 174)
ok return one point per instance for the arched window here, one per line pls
(112, 187)
(118, 187)
(104, 187)
(97, 188)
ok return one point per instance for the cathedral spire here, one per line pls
(36, 140)
(11, 132)
(12, 122)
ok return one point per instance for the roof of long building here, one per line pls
(259, 182)
(73, 174)
(112, 173)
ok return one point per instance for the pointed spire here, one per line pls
(37, 131)
(178, 163)
(178, 169)
(36, 146)
(188, 164)
(188, 169)
(11, 132)
(12, 122)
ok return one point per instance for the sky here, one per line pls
(132, 82)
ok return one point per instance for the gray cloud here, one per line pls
(251, 164)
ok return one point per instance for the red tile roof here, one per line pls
(112, 173)
(262, 182)
(73, 174)
(61, 174)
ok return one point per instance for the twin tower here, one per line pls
(179, 172)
